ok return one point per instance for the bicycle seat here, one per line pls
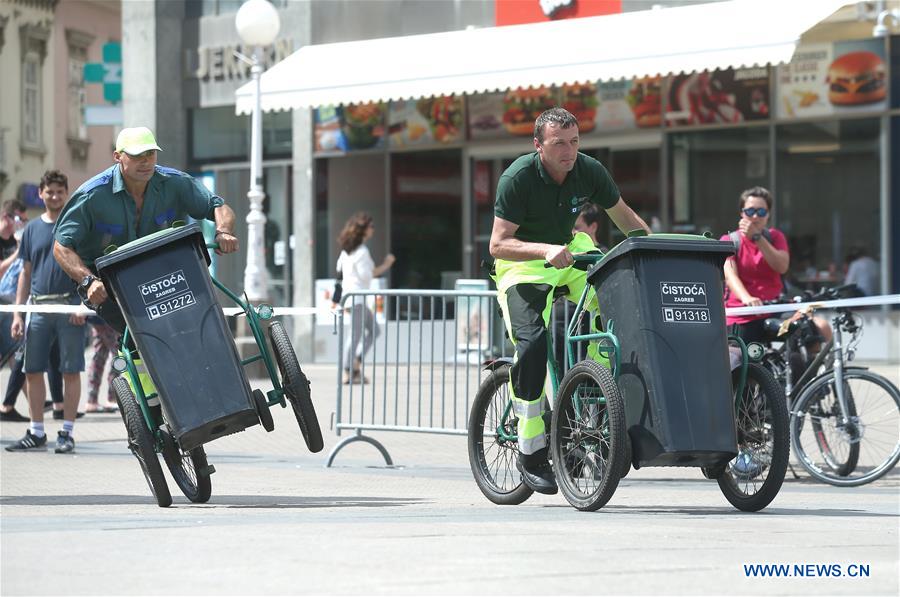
(560, 291)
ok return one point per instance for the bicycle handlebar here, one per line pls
(582, 260)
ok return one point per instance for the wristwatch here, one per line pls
(86, 283)
(756, 237)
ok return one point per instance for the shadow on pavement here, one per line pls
(217, 501)
(729, 511)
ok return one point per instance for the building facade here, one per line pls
(681, 147)
(45, 99)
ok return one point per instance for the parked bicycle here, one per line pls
(597, 428)
(845, 420)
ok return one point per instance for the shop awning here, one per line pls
(634, 44)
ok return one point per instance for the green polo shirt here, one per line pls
(544, 210)
(102, 212)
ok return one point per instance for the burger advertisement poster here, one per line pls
(630, 103)
(720, 97)
(823, 79)
(426, 121)
(612, 105)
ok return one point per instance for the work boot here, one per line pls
(539, 477)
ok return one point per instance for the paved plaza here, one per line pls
(279, 522)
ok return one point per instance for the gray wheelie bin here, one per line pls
(163, 287)
(664, 294)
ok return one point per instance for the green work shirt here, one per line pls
(544, 210)
(103, 213)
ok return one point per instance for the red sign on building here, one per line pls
(517, 12)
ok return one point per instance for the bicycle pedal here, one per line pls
(207, 470)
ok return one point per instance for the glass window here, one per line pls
(828, 196)
(426, 206)
(219, 134)
(77, 98)
(709, 170)
(31, 100)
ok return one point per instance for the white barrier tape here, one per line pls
(866, 301)
(79, 309)
(82, 310)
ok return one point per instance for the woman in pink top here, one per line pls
(753, 275)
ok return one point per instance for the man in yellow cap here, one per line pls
(133, 198)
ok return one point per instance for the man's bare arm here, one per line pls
(17, 329)
(228, 242)
(625, 218)
(72, 264)
(504, 245)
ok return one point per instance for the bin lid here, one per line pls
(682, 243)
(149, 243)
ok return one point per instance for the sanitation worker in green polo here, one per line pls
(538, 200)
(131, 199)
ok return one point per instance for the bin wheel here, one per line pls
(141, 442)
(296, 387)
(752, 480)
(588, 436)
(188, 468)
(492, 458)
(262, 409)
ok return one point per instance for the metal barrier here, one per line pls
(425, 362)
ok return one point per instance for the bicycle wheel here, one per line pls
(296, 387)
(752, 480)
(843, 457)
(491, 457)
(822, 441)
(141, 442)
(588, 436)
(188, 468)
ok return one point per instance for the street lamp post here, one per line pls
(257, 24)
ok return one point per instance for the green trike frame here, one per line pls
(590, 446)
(149, 435)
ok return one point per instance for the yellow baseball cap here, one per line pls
(135, 141)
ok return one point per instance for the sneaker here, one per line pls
(13, 416)
(539, 477)
(29, 442)
(64, 443)
(745, 467)
(58, 415)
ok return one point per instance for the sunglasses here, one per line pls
(755, 211)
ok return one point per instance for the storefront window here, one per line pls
(426, 206)
(709, 170)
(217, 134)
(828, 196)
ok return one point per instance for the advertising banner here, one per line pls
(720, 97)
(840, 78)
(629, 104)
(613, 105)
(426, 121)
(351, 127)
